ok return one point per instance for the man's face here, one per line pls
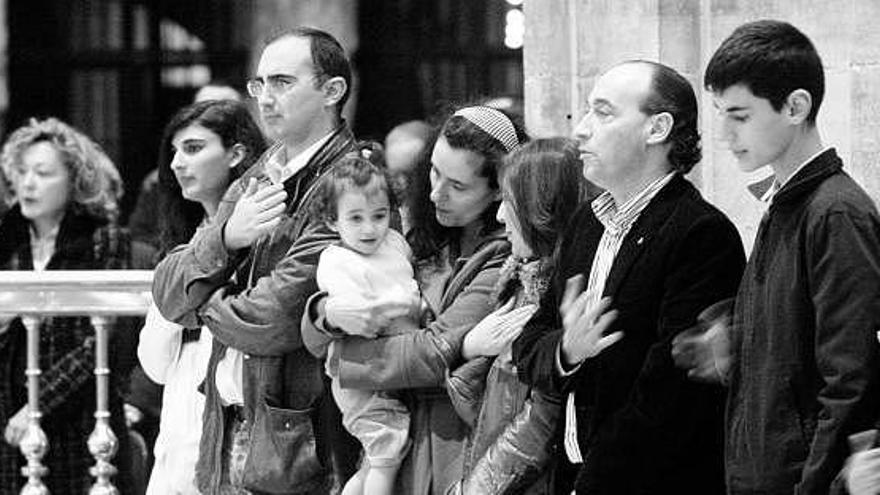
(612, 134)
(757, 134)
(291, 103)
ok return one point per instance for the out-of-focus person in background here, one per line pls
(218, 89)
(63, 218)
(5, 194)
(405, 149)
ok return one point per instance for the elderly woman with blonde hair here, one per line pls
(65, 193)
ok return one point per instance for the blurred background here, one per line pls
(118, 69)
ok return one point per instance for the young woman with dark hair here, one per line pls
(205, 147)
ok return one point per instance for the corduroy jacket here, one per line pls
(643, 426)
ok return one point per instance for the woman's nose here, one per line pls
(176, 161)
(499, 215)
(436, 193)
(27, 179)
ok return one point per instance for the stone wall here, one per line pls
(569, 42)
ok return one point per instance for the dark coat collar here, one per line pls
(648, 225)
(809, 177)
(74, 244)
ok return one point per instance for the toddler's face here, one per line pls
(362, 220)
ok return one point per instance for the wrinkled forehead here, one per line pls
(626, 84)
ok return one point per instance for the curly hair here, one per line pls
(95, 184)
(362, 170)
(232, 123)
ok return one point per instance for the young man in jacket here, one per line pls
(656, 252)
(270, 423)
(803, 342)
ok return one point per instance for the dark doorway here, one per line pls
(417, 57)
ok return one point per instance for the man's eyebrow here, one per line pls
(602, 101)
(732, 109)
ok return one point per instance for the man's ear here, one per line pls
(660, 127)
(798, 105)
(334, 89)
(239, 151)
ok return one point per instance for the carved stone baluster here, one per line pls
(34, 444)
(102, 441)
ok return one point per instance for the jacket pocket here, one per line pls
(282, 453)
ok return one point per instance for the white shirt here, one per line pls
(230, 369)
(295, 164)
(181, 368)
(353, 276)
(42, 248)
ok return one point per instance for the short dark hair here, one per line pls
(328, 57)
(771, 58)
(232, 122)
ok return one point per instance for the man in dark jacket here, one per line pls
(270, 424)
(805, 366)
(651, 248)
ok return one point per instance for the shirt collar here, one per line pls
(299, 161)
(617, 219)
(768, 195)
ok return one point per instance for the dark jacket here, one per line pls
(643, 427)
(252, 300)
(67, 359)
(805, 321)
(417, 362)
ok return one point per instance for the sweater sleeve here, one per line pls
(158, 345)
(419, 358)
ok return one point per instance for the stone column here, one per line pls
(569, 42)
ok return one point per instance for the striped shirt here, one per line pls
(617, 223)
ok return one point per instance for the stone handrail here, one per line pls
(99, 294)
